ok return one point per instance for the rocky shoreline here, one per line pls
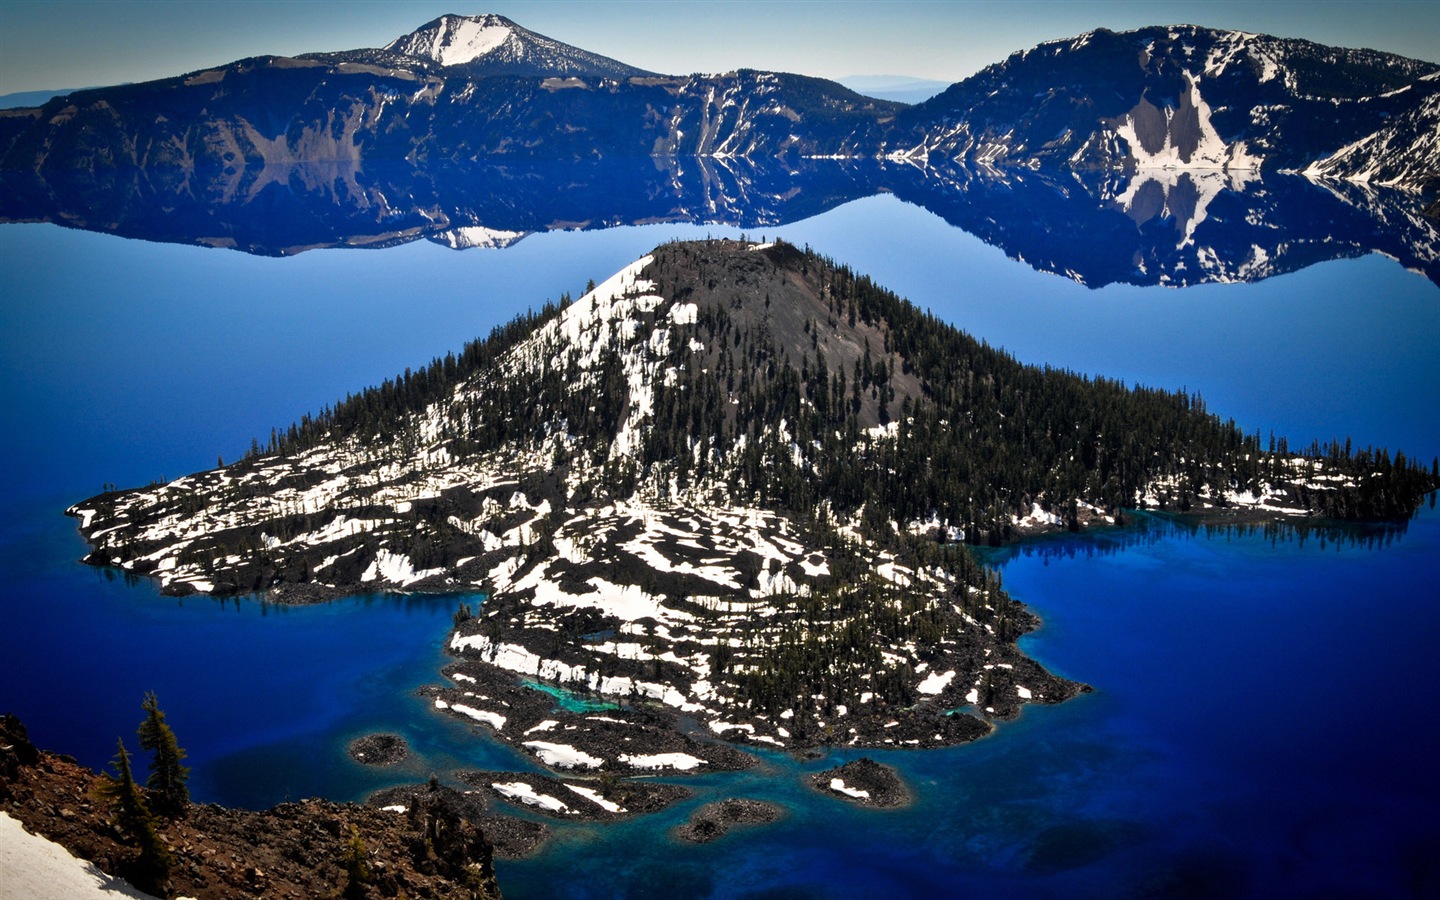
(604, 799)
(628, 740)
(511, 837)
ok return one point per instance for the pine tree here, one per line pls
(151, 869)
(356, 859)
(167, 775)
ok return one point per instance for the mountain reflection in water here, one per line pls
(1152, 227)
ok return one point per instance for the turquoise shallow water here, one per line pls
(1261, 724)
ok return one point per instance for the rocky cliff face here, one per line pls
(1403, 151)
(275, 111)
(1178, 97)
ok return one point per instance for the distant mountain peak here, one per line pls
(494, 45)
(453, 40)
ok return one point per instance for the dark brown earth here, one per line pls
(292, 850)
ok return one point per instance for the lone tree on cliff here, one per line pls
(151, 869)
(167, 775)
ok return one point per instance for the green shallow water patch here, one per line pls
(568, 700)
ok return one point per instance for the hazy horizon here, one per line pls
(65, 44)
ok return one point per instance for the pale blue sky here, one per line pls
(72, 43)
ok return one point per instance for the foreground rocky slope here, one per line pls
(733, 484)
(294, 850)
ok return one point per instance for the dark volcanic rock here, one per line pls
(863, 781)
(378, 749)
(600, 800)
(16, 751)
(713, 820)
(610, 738)
(512, 838)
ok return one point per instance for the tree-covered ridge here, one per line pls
(978, 438)
(792, 383)
(885, 408)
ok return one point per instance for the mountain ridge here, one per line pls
(1158, 98)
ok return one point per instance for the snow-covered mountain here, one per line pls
(494, 45)
(1160, 98)
(1179, 97)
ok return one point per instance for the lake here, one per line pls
(1261, 723)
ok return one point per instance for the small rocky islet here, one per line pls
(381, 749)
(863, 781)
(714, 820)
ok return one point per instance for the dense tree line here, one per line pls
(978, 436)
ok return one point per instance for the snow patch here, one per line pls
(682, 761)
(494, 720)
(563, 756)
(838, 785)
(936, 682)
(519, 790)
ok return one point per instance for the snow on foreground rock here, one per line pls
(39, 869)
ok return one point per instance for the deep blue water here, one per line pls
(1263, 722)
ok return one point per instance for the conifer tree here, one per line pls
(167, 774)
(151, 870)
(357, 865)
